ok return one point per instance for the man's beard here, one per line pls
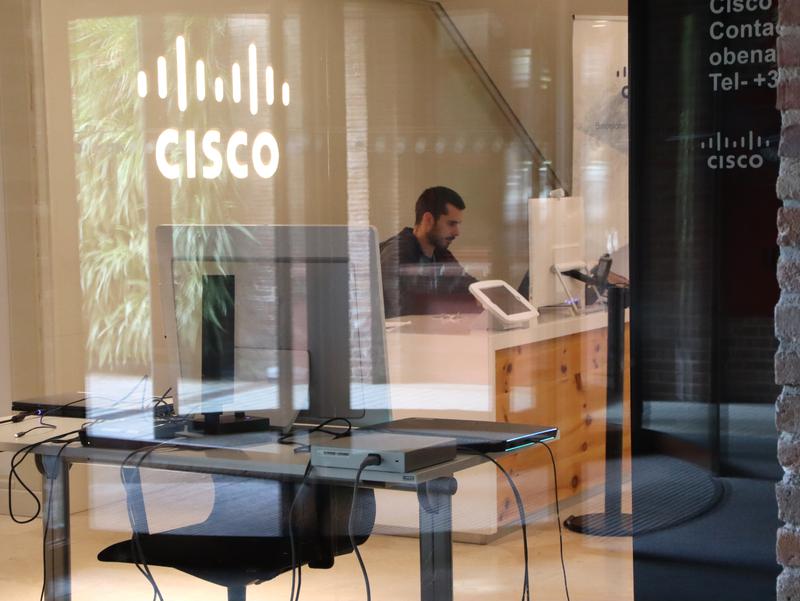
(439, 242)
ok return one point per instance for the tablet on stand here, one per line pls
(507, 308)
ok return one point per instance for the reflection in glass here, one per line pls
(358, 132)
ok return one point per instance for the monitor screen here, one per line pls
(505, 300)
(275, 318)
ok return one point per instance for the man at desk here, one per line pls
(420, 275)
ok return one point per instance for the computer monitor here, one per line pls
(275, 318)
(556, 243)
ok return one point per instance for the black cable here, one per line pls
(15, 419)
(54, 410)
(14, 475)
(292, 596)
(21, 454)
(135, 546)
(43, 414)
(160, 400)
(285, 438)
(526, 581)
(41, 426)
(144, 378)
(371, 459)
(558, 517)
(306, 448)
(518, 498)
(139, 557)
(142, 565)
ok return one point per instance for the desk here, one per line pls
(551, 372)
(249, 456)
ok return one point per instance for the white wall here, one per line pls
(5, 350)
(526, 46)
(21, 352)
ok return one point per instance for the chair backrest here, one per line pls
(256, 507)
(333, 504)
(253, 507)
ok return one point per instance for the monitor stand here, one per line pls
(229, 423)
(218, 363)
(572, 270)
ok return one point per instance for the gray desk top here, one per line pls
(253, 455)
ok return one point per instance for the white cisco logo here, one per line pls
(211, 141)
(623, 73)
(735, 153)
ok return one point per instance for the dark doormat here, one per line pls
(666, 492)
(727, 552)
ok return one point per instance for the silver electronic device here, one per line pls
(399, 453)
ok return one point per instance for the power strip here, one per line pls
(399, 453)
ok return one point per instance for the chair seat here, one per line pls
(209, 551)
(223, 560)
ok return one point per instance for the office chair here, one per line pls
(245, 539)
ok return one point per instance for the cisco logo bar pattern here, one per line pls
(201, 80)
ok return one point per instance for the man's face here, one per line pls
(446, 228)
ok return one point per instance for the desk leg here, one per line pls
(436, 539)
(55, 520)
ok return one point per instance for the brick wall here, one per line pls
(787, 312)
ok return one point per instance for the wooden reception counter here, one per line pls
(552, 372)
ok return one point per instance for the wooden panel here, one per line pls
(559, 382)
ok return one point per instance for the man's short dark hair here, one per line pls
(435, 200)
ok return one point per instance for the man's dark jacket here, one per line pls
(414, 284)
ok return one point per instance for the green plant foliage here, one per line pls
(114, 195)
(109, 155)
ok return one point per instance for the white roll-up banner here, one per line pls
(600, 138)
